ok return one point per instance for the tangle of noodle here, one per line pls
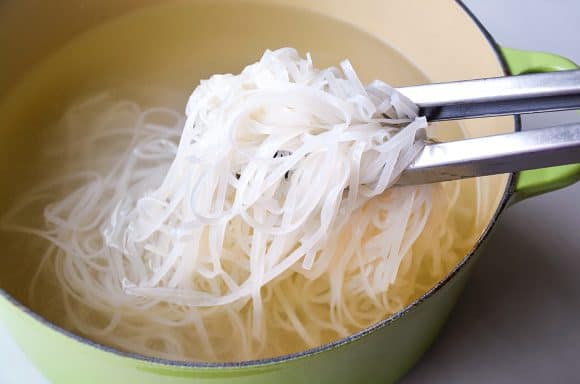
(256, 225)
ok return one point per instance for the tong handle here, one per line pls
(492, 155)
(508, 95)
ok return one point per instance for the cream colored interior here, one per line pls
(44, 66)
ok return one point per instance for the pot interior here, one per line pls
(174, 45)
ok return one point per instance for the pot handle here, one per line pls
(538, 181)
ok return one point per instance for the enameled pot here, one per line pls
(431, 40)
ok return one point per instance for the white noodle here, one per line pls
(258, 224)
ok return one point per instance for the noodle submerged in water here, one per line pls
(258, 224)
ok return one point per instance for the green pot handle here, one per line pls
(539, 181)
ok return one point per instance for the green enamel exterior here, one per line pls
(539, 181)
(521, 62)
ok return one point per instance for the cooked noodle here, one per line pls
(257, 224)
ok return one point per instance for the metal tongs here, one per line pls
(505, 153)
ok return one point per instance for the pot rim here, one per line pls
(257, 363)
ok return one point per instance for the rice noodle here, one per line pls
(257, 224)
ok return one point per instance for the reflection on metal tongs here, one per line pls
(490, 155)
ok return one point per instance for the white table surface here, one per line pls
(519, 318)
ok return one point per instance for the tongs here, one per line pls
(489, 155)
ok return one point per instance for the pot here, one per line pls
(415, 40)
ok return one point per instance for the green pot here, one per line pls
(460, 48)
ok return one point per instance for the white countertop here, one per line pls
(519, 319)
